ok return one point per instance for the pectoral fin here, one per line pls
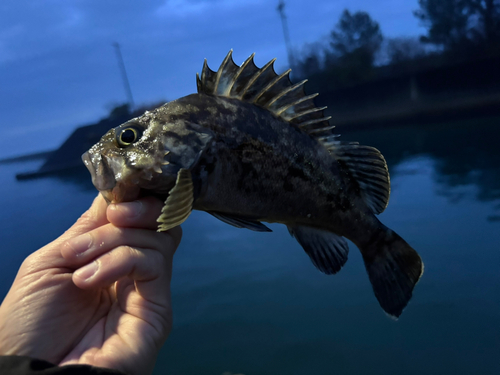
(179, 203)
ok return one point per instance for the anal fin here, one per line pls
(328, 251)
(240, 222)
(179, 203)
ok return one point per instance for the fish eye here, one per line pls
(128, 135)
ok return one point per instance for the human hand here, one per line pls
(117, 318)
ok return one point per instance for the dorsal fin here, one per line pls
(276, 93)
(368, 167)
(262, 86)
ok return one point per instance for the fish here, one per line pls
(251, 147)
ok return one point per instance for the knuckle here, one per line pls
(157, 257)
(176, 235)
(85, 220)
(120, 254)
(155, 264)
(30, 263)
(131, 252)
(167, 241)
(164, 241)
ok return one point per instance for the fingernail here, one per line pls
(130, 209)
(80, 244)
(88, 271)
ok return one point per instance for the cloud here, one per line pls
(204, 8)
(180, 8)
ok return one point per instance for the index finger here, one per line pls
(93, 218)
(49, 256)
(141, 213)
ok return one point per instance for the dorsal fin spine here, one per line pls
(255, 76)
(298, 101)
(238, 73)
(286, 91)
(321, 130)
(221, 69)
(271, 84)
(315, 121)
(204, 71)
(263, 87)
(323, 139)
(312, 110)
(198, 83)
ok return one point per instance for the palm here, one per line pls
(117, 325)
(110, 328)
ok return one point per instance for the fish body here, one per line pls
(248, 148)
(259, 167)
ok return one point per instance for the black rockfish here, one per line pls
(251, 147)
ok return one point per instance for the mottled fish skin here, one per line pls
(250, 147)
(260, 167)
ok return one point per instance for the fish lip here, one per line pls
(103, 178)
(88, 163)
(121, 193)
(107, 195)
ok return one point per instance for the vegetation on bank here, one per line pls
(357, 51)
(358, 71)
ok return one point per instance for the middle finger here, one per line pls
(84, 248)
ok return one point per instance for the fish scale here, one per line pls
(251, 147)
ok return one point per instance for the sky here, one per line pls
(58, 67)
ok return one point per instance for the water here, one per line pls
(253, 303)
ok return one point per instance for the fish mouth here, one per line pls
(121, 193)
(107, 195)
(104, 180)
(103, 177)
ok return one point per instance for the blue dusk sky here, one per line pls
(58, 68)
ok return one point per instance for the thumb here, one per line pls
(93, 218)
(50, 255)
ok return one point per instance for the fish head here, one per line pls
(143, 156)
(128, 159)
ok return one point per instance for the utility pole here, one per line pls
(281, 11)
(121, 65)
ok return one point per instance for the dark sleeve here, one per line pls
(19, 365)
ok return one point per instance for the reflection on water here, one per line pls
(464, 153)
(252, 303)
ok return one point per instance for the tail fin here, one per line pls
(394, 269)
